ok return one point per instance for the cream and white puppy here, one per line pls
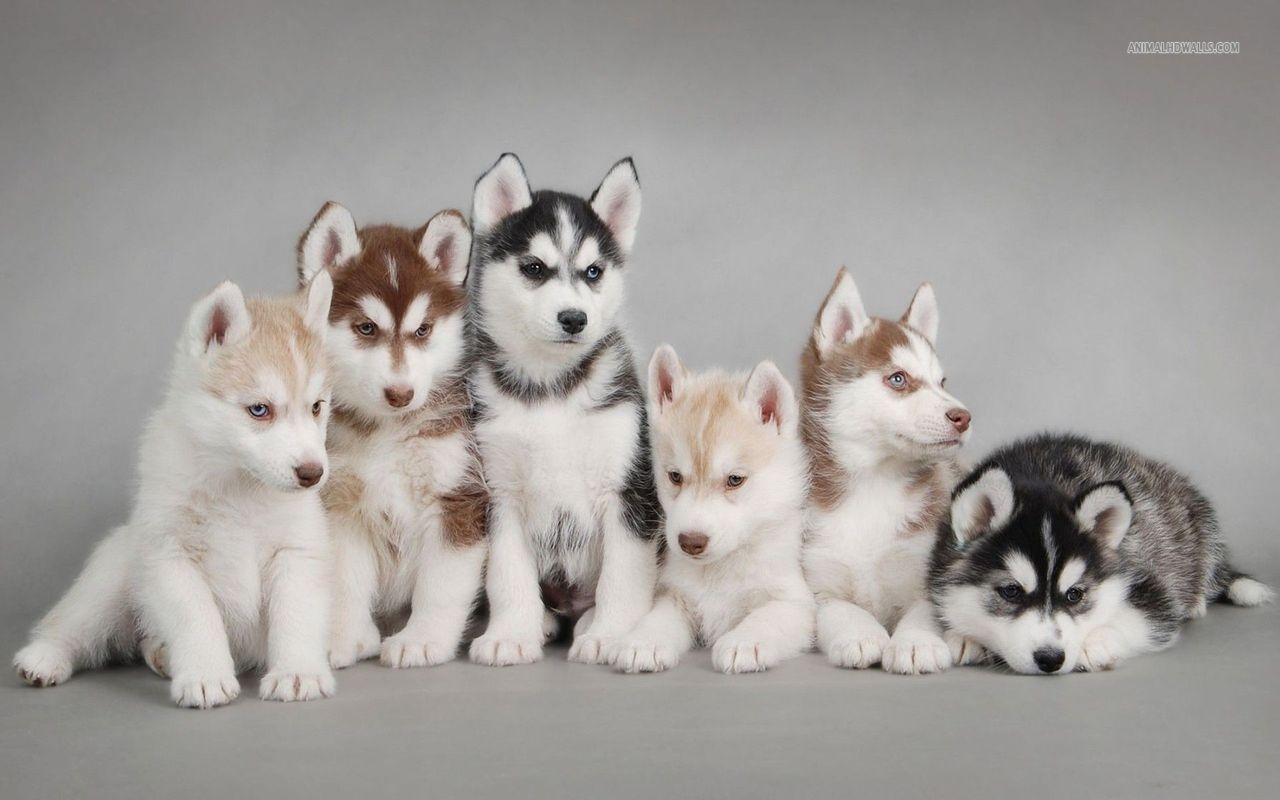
(223, 564)
(731, 475)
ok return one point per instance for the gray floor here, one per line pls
(1201, 720)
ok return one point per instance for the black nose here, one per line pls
(1049, 659)
(572, 320)
(309, 474)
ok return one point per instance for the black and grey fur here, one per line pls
(1065, 554)
(560, 414)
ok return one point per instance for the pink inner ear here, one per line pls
(442, 253)
(218, 324)
(769, 405)
(666, 385)
(332, 247)
(844, 324)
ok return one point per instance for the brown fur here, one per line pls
(279, 341)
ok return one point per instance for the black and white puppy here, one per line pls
(560, 422)
(1065, 554)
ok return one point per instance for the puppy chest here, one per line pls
(398, 480)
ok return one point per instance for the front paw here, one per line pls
(858, 651)
(1100, 651)
(590, 648)
(963, 649)
(503, 650)
(289, 686)
(346, 649)
(204, 691)
(156, 655)
(642, 656)
(916, 653)
(738, 655)
(402, 652)
(42, 664)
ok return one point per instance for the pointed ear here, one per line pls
(219, 319)
(1105, 511)
(981, 505)
(446, 245)
(617, 202)
(842, 317)
(331, 240)
(666, 377)
(319, 296)
(922, 314)
(500, 192)
(770, 396)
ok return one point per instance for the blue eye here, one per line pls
(366, 329)
(897, 380)
(593, 273)
(259, 410)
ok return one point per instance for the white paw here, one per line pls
(550, 626)
(42, 664)
(589, 648)
(963, 649)
(289, 687)
(499, 650)
(642, 656)
(156, 654)
(736, 655)
(346, 649)
(1100, 651)
(204, 691)
(400, 652)
(916, 653)
(858, 652)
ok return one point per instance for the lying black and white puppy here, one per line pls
(1064, 554)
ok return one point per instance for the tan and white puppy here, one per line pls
(225, 555)
(882, 434)
(406, 503)
(731, 476)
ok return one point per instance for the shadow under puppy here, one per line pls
(225, 552)
(731, 476)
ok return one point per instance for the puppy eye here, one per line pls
(423, 330)
(315, 408)
(735, 480)
(1074, 595)
(897, 380)
(259, 411)
(1010, 591)
(366, 328)
(675, 477)
(533, 269)
(593, 273)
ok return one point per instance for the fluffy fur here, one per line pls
(882, 434)
(560, 414)
(224, 557)
(407, 502)
(1064, 554)
(731, 475)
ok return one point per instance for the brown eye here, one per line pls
(735, 480)
(897, 381)
(260, 411)
(315, 408)
(1074, 595)
(423, 330)
(366, 328)
(675, 477)
(1010, 591)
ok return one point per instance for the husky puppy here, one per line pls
(222, 561)
(1064, 554)
(882, 434)
(731, 474)
(406, 503)
(560, 415)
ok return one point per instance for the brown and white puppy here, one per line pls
(882, 434)
(406, 502)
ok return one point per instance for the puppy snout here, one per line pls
(693, 542)
(572, 320)
(1049, 659)
(960, 419)
(309, 474)
(398, 396)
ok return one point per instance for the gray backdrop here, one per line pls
(1100, 227)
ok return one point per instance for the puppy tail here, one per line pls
(1243, 590)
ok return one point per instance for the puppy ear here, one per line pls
(1105, 511)
(319, 297)
(617, 202)
(922, 314)
(770, 396)
(446, 245)
(842, 317)
(500, 192)
(981, 505)
(331, 240)
(666, 377)
(219, 319)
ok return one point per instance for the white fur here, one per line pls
(1249, 592)
(222, 560)
(1106, 513)
(500, 192)
(992, 492)
(334, 225)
